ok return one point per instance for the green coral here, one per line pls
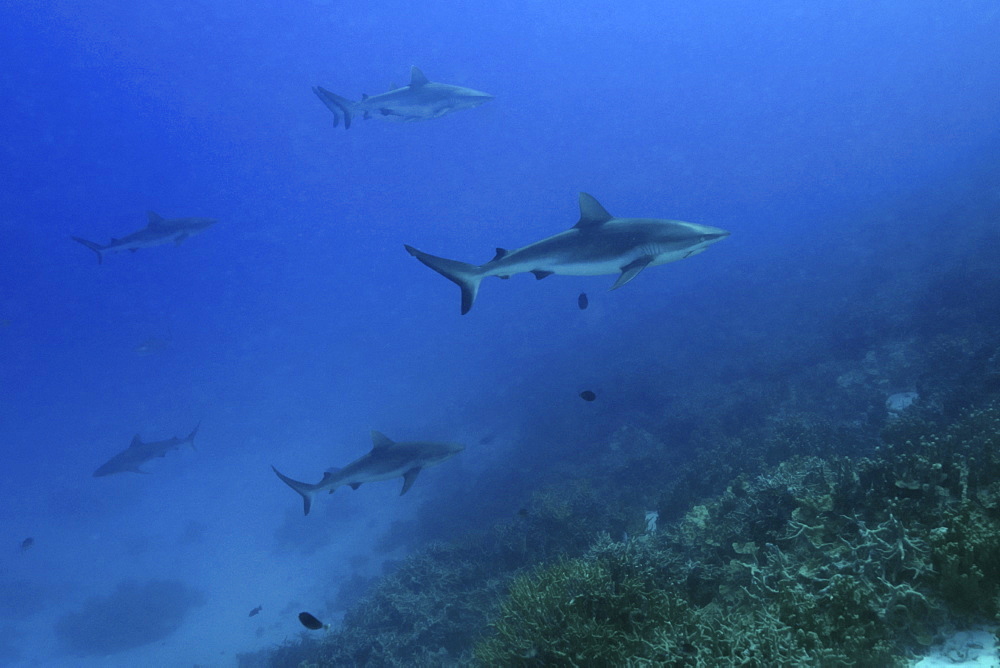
(587, 611)
(819, 561)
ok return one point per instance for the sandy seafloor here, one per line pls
(973, 647)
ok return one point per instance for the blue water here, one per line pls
(846, 145)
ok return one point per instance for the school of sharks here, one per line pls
(599, 243)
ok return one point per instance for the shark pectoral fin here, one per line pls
(179, 240)
(540, 274)
(354, 485)
(631, 270)
(133, 250)
(408, 479)
(503, 278)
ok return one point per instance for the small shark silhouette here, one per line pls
(598, 244)
(418, 101)
(138, 453)
(387, 459)
(158, 232)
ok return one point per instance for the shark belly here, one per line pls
(594, 259)
(365, 471)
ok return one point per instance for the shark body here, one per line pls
(387, 459)
(419, 100)
(598, 244)
(138, 453)
(158, 232)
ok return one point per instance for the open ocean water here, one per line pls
(850, 148)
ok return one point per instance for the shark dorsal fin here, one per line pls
(380, 441)
(155, 219)
(417, 77)
(501, 253)
(592, 213)
(364, 96)
(136, 441)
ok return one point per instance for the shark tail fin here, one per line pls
(303, 488)
(340, 106)
(97, 248)
(190, 437)
(465, 276)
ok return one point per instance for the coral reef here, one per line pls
(835, 561)
(792, 538)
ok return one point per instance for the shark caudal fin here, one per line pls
(190, 437)
(340, 106)
(303, 488)
(465, 276)
(97, 248)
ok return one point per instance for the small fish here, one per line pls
(587, 395)
(27, 544)
(582, 301)
(256, 611)
(151, 346)
(309, 621)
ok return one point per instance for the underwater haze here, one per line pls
(849, 148)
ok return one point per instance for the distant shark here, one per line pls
(138, 453)
(418, 101)
(158, 232)
(598, 244)
(387, 459)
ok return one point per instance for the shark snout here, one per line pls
(476, 98)
(710, 235)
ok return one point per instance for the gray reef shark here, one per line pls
(418, 101)
(138, 453)
(158, 232)
(598, 244)
(387, 459)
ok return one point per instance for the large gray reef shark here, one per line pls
(138, 453)
(387, 459)
(598, 244)
(418, 101)
(158, 232)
